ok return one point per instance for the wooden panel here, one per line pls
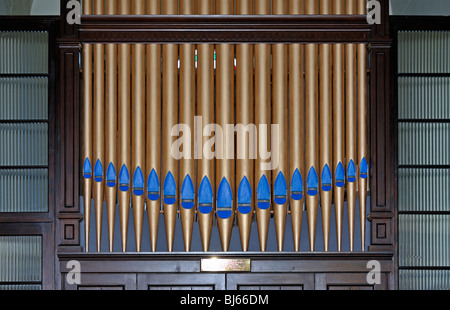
(102, 281)
(348, 281)
(190, 281)
(274, 281)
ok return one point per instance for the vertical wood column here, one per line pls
(99, 128)
(339, 129)
(263, 174)
(245, 142)
(325, 129)
(312, 130)
(170, 119)
(205, 110)
(153, 131)
(297, 130)
(111, 127)
(280, 172)
(124, 135)
(187, 113)
(87, 130)
(138, 129)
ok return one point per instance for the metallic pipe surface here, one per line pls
(244, 116)
(205, 110)
(124, 134)
(326, 130)
(187, 113)
(280, 117)
(153, 130)
(362, 129)
(339, 130)
(263, 124)
(170, 119)
(138, 129)
(312, 130)
(99, 127)
(111, 127)
(225, 167)
(351, 128)
(296, 125)
(87, 128)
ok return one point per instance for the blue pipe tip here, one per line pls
(187, 193)
(87, 169)
(124, 179)
(205, 196)
(312, 182)
(153, 186)
(138, 182)
(263, 193)
(364, 169)
(224, 200)
(111, 175)
(351, 171)
(340, 175)
(280, 189)
(98, 171)
(326, 178)
(244, 198)
(170, 189)
(297, 185)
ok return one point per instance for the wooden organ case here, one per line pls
(226, 145)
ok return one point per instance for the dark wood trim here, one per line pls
(224, 29)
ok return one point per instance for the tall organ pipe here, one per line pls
(296, 125)
(338, 130)
(244, 116)
(124, 135)
(312, 130)
(99, 128)
(153, 131)
(187, 112)
(205, 109)
(111, 128)
(263, 175)
(87, 130)
(325, 107)
(170, 119)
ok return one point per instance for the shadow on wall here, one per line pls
(215, 246)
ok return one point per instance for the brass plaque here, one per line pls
(225, 265)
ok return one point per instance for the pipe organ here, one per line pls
(225, 135)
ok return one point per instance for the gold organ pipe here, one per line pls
(338, 126)
(153, 145)
(138, 129)
(312, 138)
(187, 113)
(225, 167)
(99, 125)
(111, 124)
(296, 125)
(280, 117)
(87, 127)
(362, 127)
(351, 127)
(244, 116)
(124, 122)
(325, 107)
(170, 119)
(262, 118)
(205, 109)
